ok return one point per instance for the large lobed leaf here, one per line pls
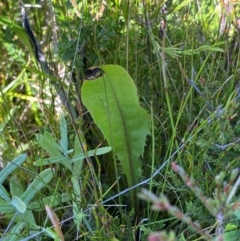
(113, 103)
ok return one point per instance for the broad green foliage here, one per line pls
(60, 153)
(113, 103)
(15, 206)
(11, 166)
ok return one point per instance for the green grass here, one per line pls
(187, 81)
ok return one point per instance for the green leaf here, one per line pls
(16, 187)
(231, 227)
(81, 156)
(64, 135)
(37, 184)
(113, 103)
(98, 152)
(79, 143)
(7, 118)
(4, 194)
(11, 166)
(52, 201)
(210, 48)
(50, 160)
(182, 238)
(48, 143)
(18, 204)
(79, 146)
(237, 214)
(14, 235)
(232, 236)
(6, 207)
